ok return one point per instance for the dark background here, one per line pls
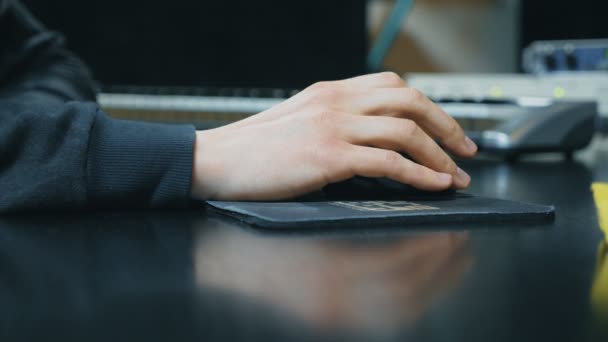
(561, 19)
(213, 43)
(255, 43)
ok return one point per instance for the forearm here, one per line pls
(136, 164)
(56, 154)
(73, 156)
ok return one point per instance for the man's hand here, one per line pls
(332, 131)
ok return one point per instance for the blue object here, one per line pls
(386, 38)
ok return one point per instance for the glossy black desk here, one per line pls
(177, 276)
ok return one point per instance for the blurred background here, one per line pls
(214, 62)
(294, 43)
(453, 36)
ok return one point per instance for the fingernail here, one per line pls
(471, 146)
(462, 178)
(445, 177)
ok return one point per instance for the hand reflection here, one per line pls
(332, 282)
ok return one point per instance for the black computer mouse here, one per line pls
(365, 188)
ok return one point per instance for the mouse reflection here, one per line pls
(370, 284)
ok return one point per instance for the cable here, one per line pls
(387, 36)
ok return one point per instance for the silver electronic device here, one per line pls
(525, 125)
(579, 86)
(531, 113)
(566, 56)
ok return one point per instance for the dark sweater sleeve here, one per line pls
(58, 150)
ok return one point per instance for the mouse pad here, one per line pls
(363, 201)
(439, 208)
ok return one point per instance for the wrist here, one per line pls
(202, 166)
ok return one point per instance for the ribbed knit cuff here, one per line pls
(136, 164)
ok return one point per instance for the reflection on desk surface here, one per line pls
(77, 278)
(188, 275)
(599, 292)
(376, 287)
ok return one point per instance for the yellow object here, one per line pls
(496, 91)
(599, 292)
(600, 194)
(559, 92)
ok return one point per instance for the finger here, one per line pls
(378, 80)
(412, 104)
(402, 135)
(375, 162)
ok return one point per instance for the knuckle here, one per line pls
(448, 165)
(420, 174)
(392, 161)
(324, 152)
(414, 94)
(454, 129)
(325, 146)
(323, 117)
(391, 78)
(319, 85)
(329, 93)
(407, 127)
(324, 94)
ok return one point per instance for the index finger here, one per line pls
(376, 163)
